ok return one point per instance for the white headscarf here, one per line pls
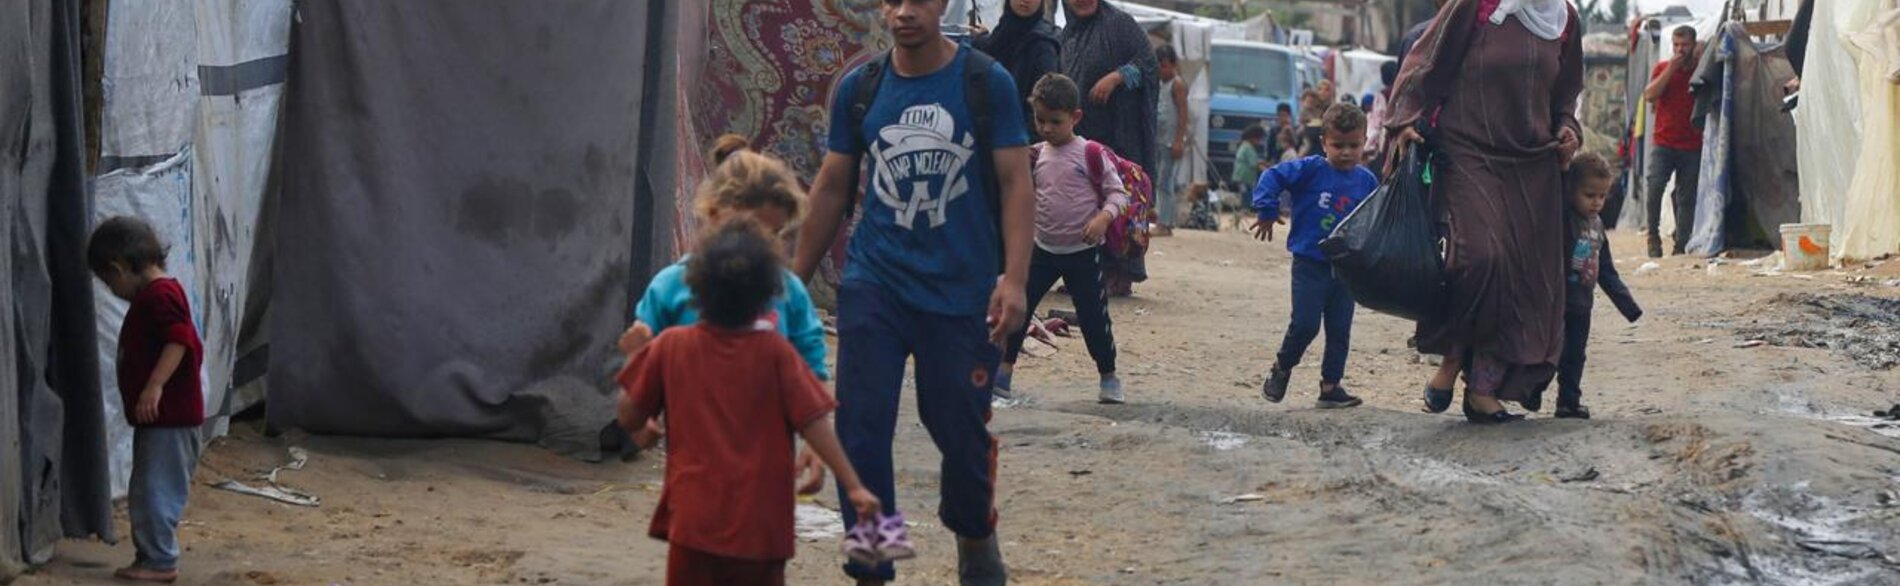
(1545, 18)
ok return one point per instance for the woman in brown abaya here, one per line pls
(1491, 90)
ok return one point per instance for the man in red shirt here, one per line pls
(1678, 149)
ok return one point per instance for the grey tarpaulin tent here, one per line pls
(1750, 182)
(464, 215)
(52, 464)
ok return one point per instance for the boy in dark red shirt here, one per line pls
(733, 394)
(1678, 149)
(159, 357)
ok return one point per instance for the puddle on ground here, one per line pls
(815, 523)
(1832, 553)
(1221, 441)
(1795, 402)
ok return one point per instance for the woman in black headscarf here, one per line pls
(1106, 51)
(1026, 45)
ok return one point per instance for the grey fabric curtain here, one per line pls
(51, 424)
(458, 220)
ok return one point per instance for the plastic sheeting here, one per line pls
(1750, 183)
(52, 468)
(1830, 115)
(464, 217)
(1642, 57)
(1873, 204)
(1356, 72)
(161, 195)
(192, 92)
(150, 83)
(1194, 43)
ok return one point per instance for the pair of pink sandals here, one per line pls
(886, 539)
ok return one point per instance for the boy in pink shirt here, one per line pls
(1076, 198)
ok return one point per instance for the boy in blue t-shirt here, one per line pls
(1324, 191)
(937, 271)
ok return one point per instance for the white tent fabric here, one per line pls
(161, 195)
(1194, 43)
(150, 83)
(192, 91)
(1830, 117)
(1356, 72)
(1873, 205)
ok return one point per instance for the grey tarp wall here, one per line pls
(52, 464)
(456, 244)
(1750, 182)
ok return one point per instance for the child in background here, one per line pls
(159, 359)
(1313, 107)
(1282, 123)
(1171, 130)
(1590, 265)
(1074, 206)
(738, 392)
(758, 187)
(1324, 191)
(1248, 162)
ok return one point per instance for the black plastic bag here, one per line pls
(1386, 252)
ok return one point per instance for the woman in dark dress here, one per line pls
(1492, 90)
(1107, 52)
(1026, 45)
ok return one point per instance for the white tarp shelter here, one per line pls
(1849, 152)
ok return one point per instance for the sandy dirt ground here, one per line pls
(1712, 461)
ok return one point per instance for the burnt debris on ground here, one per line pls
(1863, 328)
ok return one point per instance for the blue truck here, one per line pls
(1249, 81)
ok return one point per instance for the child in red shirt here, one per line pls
(159, 357)
(733, 394)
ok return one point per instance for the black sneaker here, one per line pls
(1655, 247)
(1572, 412)
(1275, 389)
(1337, 398)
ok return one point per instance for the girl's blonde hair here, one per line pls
(747, 181)
(725, 146)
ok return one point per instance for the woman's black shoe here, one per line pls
(1436, 400)
(1481, 418)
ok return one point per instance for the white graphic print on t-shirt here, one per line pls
(920, 163)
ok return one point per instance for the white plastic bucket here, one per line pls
(1805, 246)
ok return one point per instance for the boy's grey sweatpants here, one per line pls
(163, 459)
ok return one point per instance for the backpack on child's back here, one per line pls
(1128, 233)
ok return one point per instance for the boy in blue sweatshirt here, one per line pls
(1323, 190)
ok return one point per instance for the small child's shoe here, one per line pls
(1533, 402)
(1572, 412)
(1337, 398)
(137, 573)
(1000, 386)
(893, 538)
(1275, 388)
(860, 543)
(1111, 391)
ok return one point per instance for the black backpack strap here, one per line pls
(976, 93)
(870, 77)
